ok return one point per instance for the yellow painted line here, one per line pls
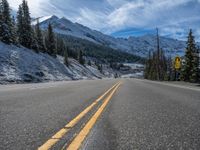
(56, 137)
(78, 140)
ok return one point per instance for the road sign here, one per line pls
(177, 63)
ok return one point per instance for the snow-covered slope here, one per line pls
(135, 45)
(19, 65)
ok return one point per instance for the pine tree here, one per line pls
(24, 28)
(72, 53)
(156, 64)
(147, 66)
(60, 46)
(50, 42)
(150, 71)
(1, 22)
(80, 58)
(66, 61)
(27, 25)
(39, 37)
(170, 69)
(195, 67)
(89, 63)
(158, 56)
(5, 22)
(188, 69)
(34, 43)
(101, 68)
(20, 28)
(163, 66)
(14, 32)
(198, 61)
(153, 70)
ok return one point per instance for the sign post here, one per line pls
(177, 66)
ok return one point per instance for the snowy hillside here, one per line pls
(134, 45)
(19, 65)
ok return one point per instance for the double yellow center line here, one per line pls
(76, 143)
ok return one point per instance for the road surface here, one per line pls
(100, 115)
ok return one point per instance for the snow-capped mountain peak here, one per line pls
(45, 19)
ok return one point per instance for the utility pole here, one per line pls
(158, 54)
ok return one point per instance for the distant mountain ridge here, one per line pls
(135, 45)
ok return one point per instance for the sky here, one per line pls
(124, 18)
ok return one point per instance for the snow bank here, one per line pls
(19, 64)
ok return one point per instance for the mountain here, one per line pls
(92, 42)
(134, 45)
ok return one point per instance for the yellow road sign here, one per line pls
(177, 63)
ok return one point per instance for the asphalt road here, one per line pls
(139, 115)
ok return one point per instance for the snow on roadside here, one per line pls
(19, 64)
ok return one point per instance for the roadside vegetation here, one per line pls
(162, 68)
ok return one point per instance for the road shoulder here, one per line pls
(183, 85)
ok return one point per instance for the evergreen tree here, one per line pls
(147, 66)
(189, 69)
(158, 66)
(24, 28)
(80, 58)
(5, 22)
(34, 43)
(153, 70)
(14, 32)
(89, 63)
(195, 67)
(198, 61)
(50, 42)
(163, 66)
(1, 22)
(101, 68)
(39, 37)
(150, 71)
(20, 28)
(60, 46)
(72, 53)
(170, 69)
(66, 61)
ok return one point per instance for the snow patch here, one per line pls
(19, 64)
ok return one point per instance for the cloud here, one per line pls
(172, 17)
(36, 6)
(94, 19)
(115, 16)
